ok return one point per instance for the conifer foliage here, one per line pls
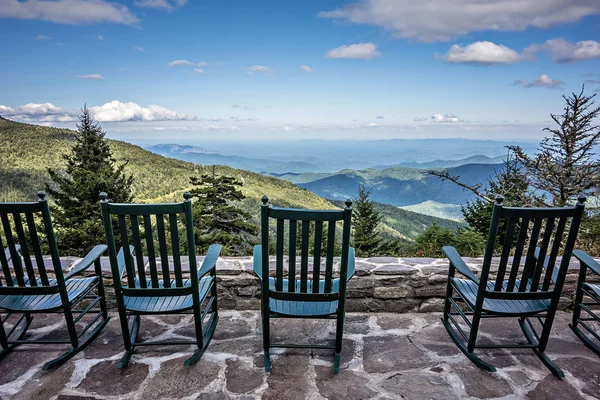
(365, 223)
(216, 218)
(90, 169)
(566, 164)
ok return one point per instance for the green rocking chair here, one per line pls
(28, 287)
(529, 291)
(153, 287)
(300, 294)
(587, 299)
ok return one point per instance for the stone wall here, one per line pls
(381, 284)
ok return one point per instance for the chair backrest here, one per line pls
(312, 224)
(535, 238)
(150, 230)
(19, 236)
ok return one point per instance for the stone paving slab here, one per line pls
(385, 356)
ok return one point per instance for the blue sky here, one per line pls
(297, 69)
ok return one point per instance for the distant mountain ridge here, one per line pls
(199, 155)
(400, 186)
(478, 159)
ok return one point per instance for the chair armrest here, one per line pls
(351, 264)
(457, 262)
(257, 257)
(88, 260)
(588, 261)
(210, 261)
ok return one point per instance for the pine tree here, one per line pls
(90, 169)
(565, 164)
(216, 219)
(511, 182)
(365, 222)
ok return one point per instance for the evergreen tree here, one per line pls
(565, 164)
(216, 219)
(365, 222)
(90, 169)
(511, 182)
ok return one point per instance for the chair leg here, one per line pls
(129, 338)
(205, 342)
(339, 336)
(266, 342)
(81, 345)
(462, 347)
(556, 371)
(8, 347)
(585, 339)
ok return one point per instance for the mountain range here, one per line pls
(27, 151)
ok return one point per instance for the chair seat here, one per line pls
(468, 289)
(161, 304)
(304, 308)
(44, 302)
(592, 287)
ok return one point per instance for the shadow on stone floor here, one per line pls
(385, 356)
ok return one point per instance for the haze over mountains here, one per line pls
(394, 170)
(316, 156)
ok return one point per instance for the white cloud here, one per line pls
(42, 37)
(114, 111)
(138, 48)
(420, 119)
(186, 63)
(119, 111)
(361, 51)
(372, 125)
(442, 20)
(261, 69)
(561, 51)
(99, 37)
(482, 53)
(543, 81)
(164, 4)
(198, 70)
(32, 112)
(306, 68)
(94, 77)
(444, 118)
(68, 11)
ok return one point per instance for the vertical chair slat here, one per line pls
(510, 229)
(279, 256)
(329, 256)
(5, 267)
(14, 254)
(127, 254)
(539, 267)
(139, 252)
(150, 248)
(176, 255)
(550, 271)
(292, 260)
(24, 249)
(304, 257)
(518, 254)
(317, 256)
(530, 259)
(162, 246)
(37, 251)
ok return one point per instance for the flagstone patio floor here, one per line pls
(385, 356)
